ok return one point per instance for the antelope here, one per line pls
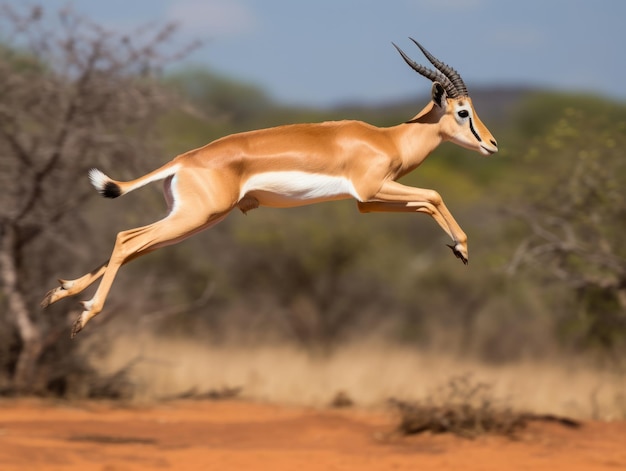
(295, 165)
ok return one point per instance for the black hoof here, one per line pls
(458, 254)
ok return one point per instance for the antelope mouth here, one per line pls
(488, 151)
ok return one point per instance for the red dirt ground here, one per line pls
(237, 435)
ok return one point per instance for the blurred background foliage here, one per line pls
(547, 272)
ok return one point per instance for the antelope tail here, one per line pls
(110, 188)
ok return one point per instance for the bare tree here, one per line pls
(72, 95)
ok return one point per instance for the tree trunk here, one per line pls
(30, 334)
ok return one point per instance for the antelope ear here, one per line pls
(439, 95)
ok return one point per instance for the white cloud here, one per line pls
(212, 17)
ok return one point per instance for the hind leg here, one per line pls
(135, 243)
(199, 202)
(73, 287)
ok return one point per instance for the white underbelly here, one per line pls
(293, 188)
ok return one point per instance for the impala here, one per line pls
(295, 165)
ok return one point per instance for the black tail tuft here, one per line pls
(105, 186)
(111, 190)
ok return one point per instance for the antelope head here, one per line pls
(452, 107)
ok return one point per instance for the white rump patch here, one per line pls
(293, 188)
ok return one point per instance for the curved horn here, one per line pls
(448, 71)
(433, 75)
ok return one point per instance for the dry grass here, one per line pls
(468, 409)
(370, 374)
(462, 407)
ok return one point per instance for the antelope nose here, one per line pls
(493, 141)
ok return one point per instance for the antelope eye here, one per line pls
(463, 114)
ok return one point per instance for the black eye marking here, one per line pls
(476, 135)
(463, 113)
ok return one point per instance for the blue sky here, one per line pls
(324, 52)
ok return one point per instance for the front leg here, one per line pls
(395, 197)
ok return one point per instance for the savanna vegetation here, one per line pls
(547, 271)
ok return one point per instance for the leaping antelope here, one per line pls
(295, 165)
